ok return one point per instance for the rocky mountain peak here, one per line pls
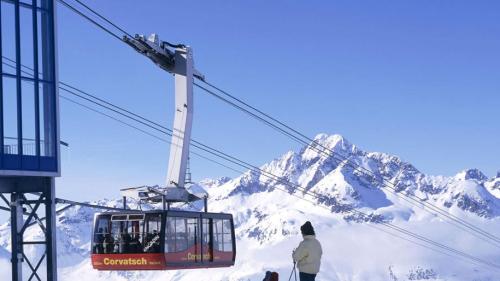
(323, 145)
(211, 183)
(471, 174)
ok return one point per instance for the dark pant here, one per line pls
(307, 277)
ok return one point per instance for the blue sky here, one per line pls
(418, 79)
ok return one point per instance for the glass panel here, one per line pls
(207, 250)
(192, 235)
(101, 234)
(119, 238)
(227, 236)
(136, 217)
(206, 231)
(218, 236)
(181, 235)
(127, 236)
(119, 217)
(47, 120)
(112, 244)
(135, 230)
(44, 54)
(29, 120)
(10, 116)
(26, 27)
(40, 43)
(170, 235)
(153, 230)
(8, 38)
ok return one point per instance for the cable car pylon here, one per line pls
(180, 63)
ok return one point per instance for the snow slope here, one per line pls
(268, 216)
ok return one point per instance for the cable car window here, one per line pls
(218, 241)
(192, 232)
(126, 235)
(100, 232)
(134, 229)
(223, 238)
(227, 237)
(206, 231)
(170, 246)
(119, 218)
(207, 235)
(207, 239)
(153, 230)
(175, 235)
(181, 237)
(112, 244)
(135, 217)
(121, 236)
(180, 234)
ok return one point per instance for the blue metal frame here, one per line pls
(1, 92)
(37, 161)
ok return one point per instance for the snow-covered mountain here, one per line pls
(268, 215)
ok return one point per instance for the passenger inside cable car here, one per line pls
(162, 240)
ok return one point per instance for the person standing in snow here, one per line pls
(308, 254)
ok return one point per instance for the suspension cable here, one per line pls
(313, 144)
(331, 154)
(304, 190)
(104, 18)
(72, 8)
(364, 215)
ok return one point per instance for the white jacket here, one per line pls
(308, 255)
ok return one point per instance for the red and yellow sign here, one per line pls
(128, 261)
(190, 258)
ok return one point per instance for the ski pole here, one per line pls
(291, 273)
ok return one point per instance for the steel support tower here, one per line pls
(29, 134)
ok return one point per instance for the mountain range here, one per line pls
(328, 189)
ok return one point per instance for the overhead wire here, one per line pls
(72, 8)
(364, 215)
(418, 237)
(313, 144)
(123, 112)
(284, 182)
(107, 30)
(391, 226)
(144, 131)
(103, 18)
(262, 113)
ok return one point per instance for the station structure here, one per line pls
(29, 132)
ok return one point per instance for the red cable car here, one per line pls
(162, 240)
(166, 239)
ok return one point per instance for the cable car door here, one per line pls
(218, 245)
(182, 240)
